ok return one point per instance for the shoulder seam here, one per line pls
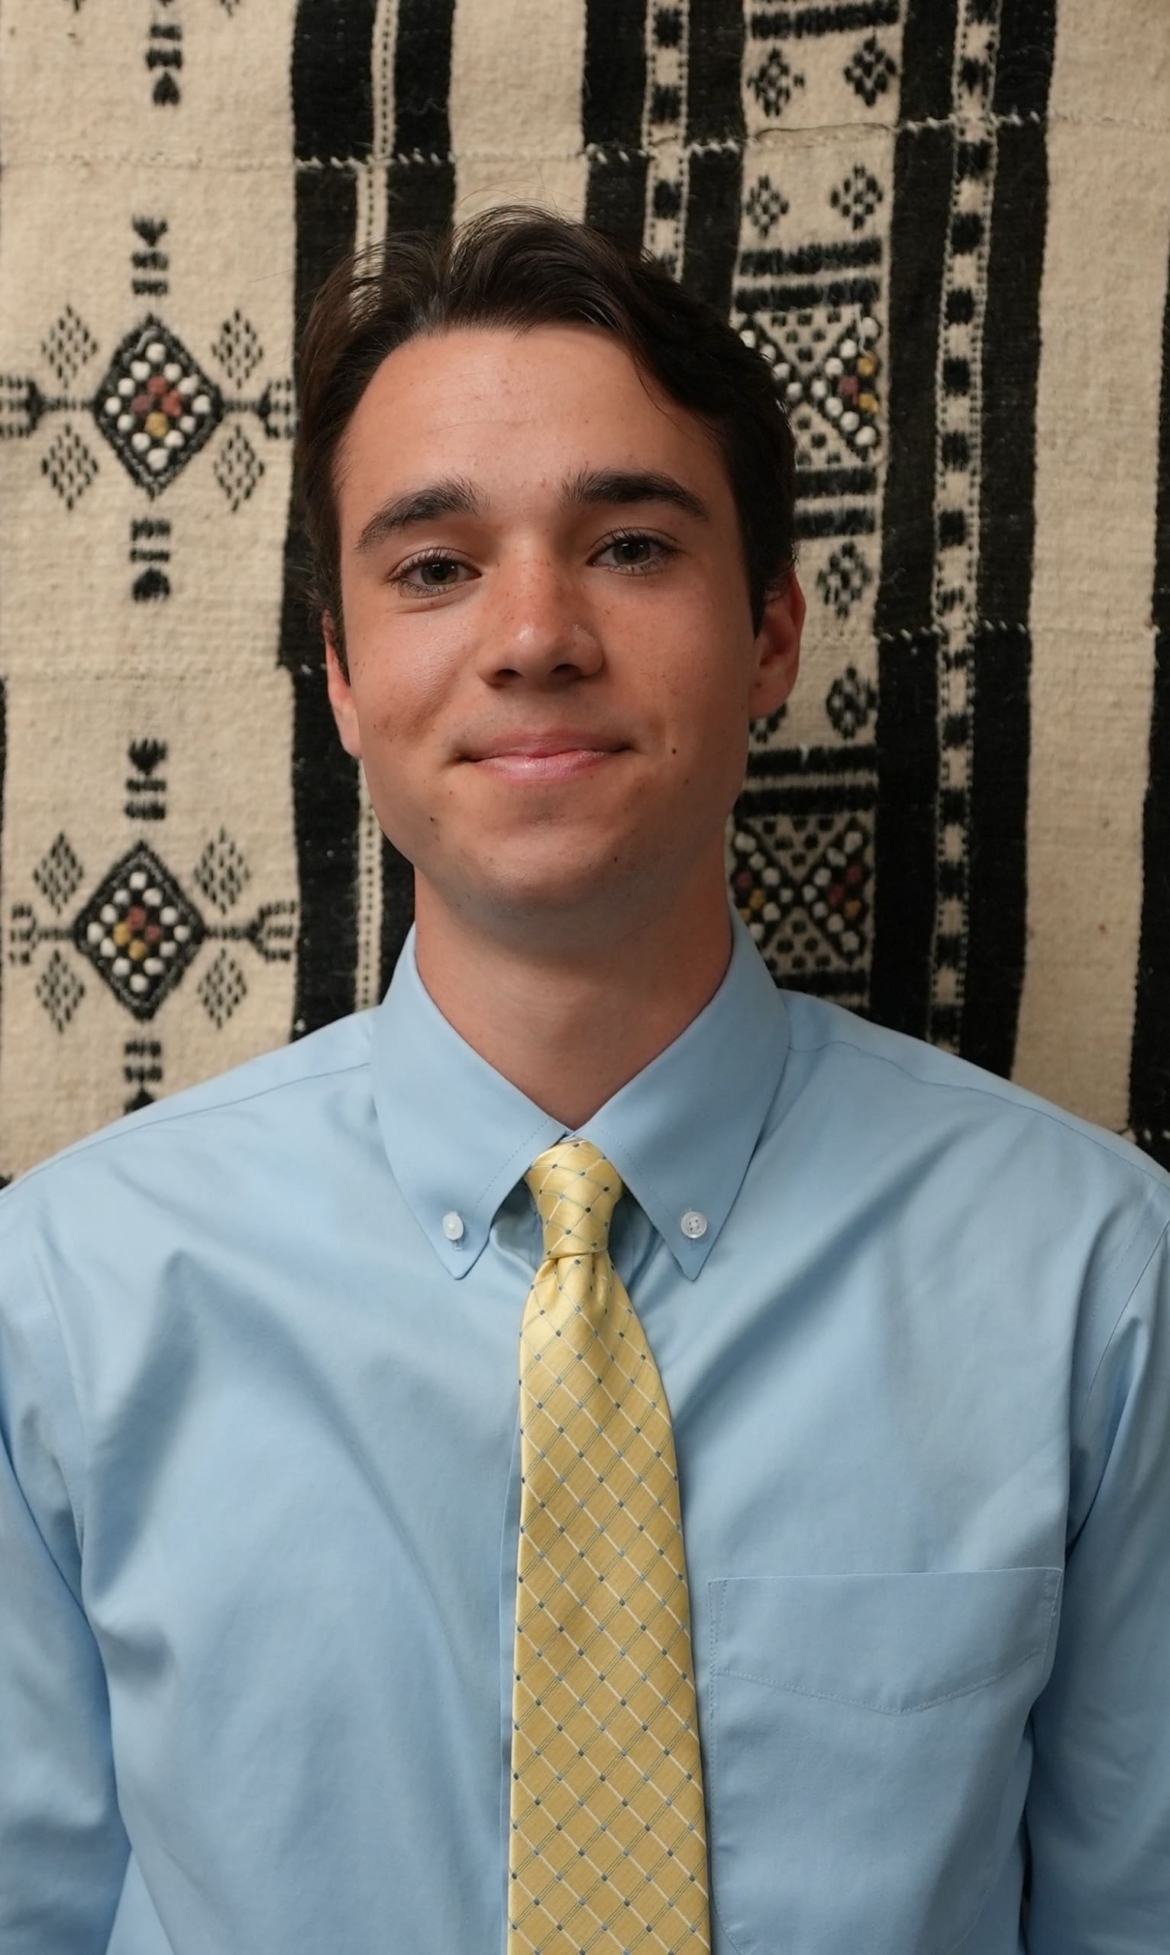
(1162, 1236)
(1039, 1109)
(106, 1137)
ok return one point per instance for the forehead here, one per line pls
(508, 409)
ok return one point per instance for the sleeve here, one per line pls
(1098, 1814)
(63, 1850)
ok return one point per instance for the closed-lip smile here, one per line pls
(544, 746)
(545, 759)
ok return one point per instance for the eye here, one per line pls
(635, 550)
(428, 574)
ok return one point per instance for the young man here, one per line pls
(598, 1453)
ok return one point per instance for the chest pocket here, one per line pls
(865, 1733)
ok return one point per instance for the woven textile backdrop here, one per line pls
(946, 224)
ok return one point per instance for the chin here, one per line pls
(553, 893)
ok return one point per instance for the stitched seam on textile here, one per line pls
(1108, 1345)
(716, 1592)
(908, 1710)
(592, 151)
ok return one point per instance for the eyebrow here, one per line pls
(593, 486)
(589, 488)
(451, 497)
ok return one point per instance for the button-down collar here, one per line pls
(459, 1136)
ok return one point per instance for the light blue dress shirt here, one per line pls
(259, 1496)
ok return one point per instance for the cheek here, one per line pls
(706, 701)
(398, 693)
(402, 664)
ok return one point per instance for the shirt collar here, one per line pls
(459, 1136)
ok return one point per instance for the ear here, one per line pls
(340, 693)
(778, 648)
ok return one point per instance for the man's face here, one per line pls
(551, 661)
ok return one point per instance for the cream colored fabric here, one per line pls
(1104, 300)
(608, 1837)
(115, 210)
(162, 714)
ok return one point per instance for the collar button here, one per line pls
(453, 1226)
(693, 1224)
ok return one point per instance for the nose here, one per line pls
(538, 627)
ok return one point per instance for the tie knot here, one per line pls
(576, 1191)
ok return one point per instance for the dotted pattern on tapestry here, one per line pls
(67, 345)
(222, 871)
(139, 930)
(802, 880)
(58, 874)
(69, 466)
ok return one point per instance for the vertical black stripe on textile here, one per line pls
(332, 122)
(905, 843)
(332, 88)
(997, 885)
(715, 125)
(613, 92)
(928, 53)
(1023, 65)
(1149, 1082)
(420, 197)
(422, 171)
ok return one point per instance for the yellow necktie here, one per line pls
(608, 1851)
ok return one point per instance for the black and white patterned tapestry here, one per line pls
(946, 226)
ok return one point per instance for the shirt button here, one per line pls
(693, 1224)
(453, 1226)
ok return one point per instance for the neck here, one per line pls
(571, 1025)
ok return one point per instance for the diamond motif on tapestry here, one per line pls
(222, 988)
(58, 873)
(826, 372)
(774, 83)
(238, 347)
(59, 990)
(870, 70)
(222, 871)
(139, 931)
(857, 197)
(765, 205)
(238, 468)
(843, 581)
(156, 406)
(851, 703)
(802, 885)
(67, 345)
(69, 465)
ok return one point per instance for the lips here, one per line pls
(544, 746)
(551, 759)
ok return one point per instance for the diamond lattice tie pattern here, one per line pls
(608, 1842)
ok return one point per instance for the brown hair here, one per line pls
(517, 267)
